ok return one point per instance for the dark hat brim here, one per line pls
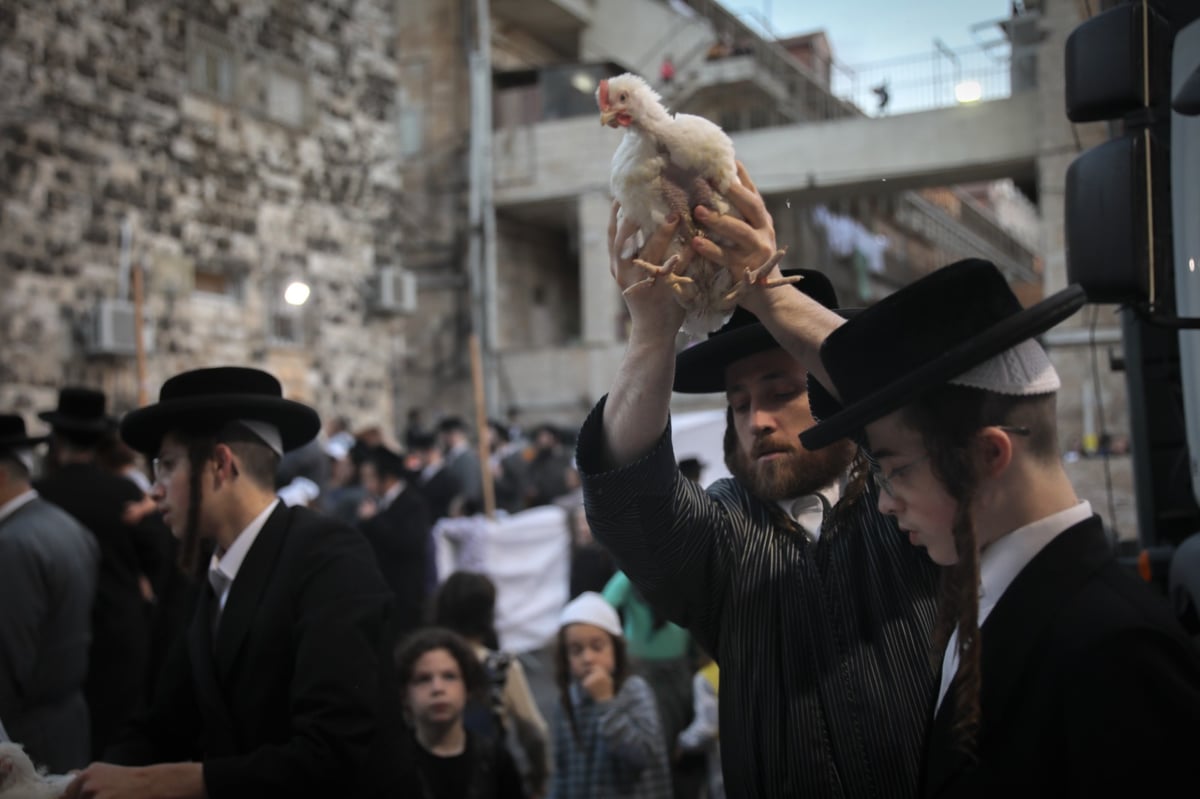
(700, 369)
(143, 429)
(971, 352)
(60, 421)
(22, 442)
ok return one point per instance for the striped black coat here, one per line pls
(826, 677)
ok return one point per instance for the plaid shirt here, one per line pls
(620, 751)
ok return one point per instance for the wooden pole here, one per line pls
(485, 468)
(139, 342)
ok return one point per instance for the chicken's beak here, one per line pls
(609, 117)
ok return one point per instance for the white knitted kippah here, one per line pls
(1024, 370)
(268, 432)
(591, 608)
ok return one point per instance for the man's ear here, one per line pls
(225, 463)
(994, 450)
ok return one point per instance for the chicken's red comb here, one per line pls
(602, 95)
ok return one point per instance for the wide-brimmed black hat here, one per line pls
(203, 398)
(700, 369)
(13, 435)
(924, 335)
(80, 410)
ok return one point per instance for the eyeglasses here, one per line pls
(164, 466)
(884, 481)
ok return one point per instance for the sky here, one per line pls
(887, 42)
(864, 31)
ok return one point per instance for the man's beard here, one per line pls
(795, 472)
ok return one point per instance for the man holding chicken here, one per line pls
(815, 607)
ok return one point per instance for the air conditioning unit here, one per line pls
(393, 291)
(112, 329)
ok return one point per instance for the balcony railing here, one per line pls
(937, 79)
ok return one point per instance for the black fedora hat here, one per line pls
(924, 335)
(13, 435)
(203, 398)
(700, 369)
(80, 410)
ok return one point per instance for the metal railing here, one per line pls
(939, 78)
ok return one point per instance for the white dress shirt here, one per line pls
(1001, 562)
(809, 510)
(223, 571)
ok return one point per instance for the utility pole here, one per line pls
(481, 210)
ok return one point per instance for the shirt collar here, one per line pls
(16, 503)
(1002, 560)
(808, 510)
(223, 571)
(390, 495)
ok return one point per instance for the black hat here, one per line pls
(203, 398)
(700, 369)
(924, 335)
(80, 410)
(12, 433)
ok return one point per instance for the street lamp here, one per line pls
(968, 91)
(296, 293)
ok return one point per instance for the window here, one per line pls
(285, 99)
(212, 64)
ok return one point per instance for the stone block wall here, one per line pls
(275, 159)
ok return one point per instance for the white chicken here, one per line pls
(20, 780)
(670, 163)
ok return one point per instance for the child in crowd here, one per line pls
(437, 672)
(702, 735)
(607, 737)
(466, 604)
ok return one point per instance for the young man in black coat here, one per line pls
(118, 658)
(276, 689)
(1062, 673)
(396, 522)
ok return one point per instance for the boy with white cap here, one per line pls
(607, 739)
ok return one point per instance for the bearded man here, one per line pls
(816, 608)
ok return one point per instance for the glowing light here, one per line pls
(1191, 264)
(583, 83)
(296, 293)
(968, 91)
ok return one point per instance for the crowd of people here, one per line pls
(896, 594)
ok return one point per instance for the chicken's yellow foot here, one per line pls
(667, 270)
(756, 278)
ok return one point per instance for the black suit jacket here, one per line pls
(1089, 686)
(399, 535)
(117, 659)
(286, 701)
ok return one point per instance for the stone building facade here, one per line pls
(240, 146)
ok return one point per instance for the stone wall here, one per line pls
(269, 156)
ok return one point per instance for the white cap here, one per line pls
(1024, 371)
(591, 608)
(266, 431)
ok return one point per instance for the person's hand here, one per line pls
(747, 247)
(169, 780)
(134, 512)
(649, 297)
(599, 685)
(367, 509)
